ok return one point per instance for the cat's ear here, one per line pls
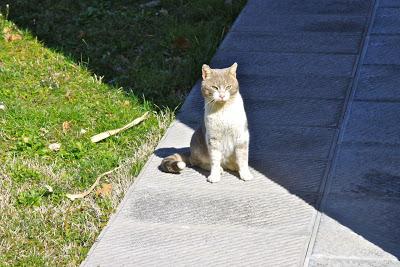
(205, 72)
(232, 69)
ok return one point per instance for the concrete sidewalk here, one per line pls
(321, 85)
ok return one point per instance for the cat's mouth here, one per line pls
(221, 100)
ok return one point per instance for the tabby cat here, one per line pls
(222, 141)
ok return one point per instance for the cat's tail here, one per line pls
(175, 163)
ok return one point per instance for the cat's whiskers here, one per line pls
(210, 102)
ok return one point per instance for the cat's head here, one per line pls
(219, 85)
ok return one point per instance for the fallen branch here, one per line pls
(87, 192)
(98, 137)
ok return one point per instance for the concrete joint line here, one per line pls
(326, 183)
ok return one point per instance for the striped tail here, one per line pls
(174, 163)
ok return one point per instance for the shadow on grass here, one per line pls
(153, 51)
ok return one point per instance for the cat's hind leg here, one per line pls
(230, 163)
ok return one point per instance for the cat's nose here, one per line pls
(222, 95)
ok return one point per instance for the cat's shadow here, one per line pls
(166, 151)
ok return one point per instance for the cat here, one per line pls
(222, 141)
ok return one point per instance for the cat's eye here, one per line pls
(214, 87)
(229, 87)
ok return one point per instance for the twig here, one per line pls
(87, 192)
(98, 137)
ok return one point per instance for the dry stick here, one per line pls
(87, 192)
(98, 137)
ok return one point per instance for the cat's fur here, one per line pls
(222, 141)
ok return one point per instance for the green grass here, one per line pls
(94, 65)
(155, 52)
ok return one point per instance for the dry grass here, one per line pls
(39, 233)
(53, 57)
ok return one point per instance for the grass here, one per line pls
(155, 52)
(72, 69)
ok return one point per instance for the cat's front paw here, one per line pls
(214, 178)
(246, 175)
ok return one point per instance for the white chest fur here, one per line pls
(227, 126)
